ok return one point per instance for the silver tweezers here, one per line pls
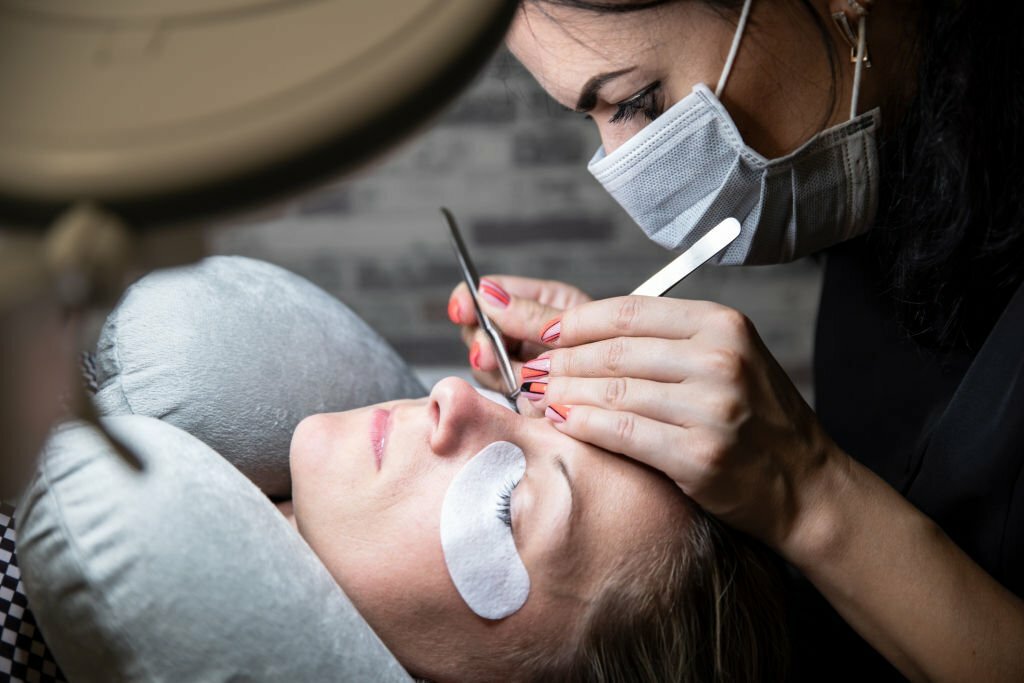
(716, 239)
(472, 278)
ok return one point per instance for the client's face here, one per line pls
(368, 488)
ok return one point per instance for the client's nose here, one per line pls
(464, 420)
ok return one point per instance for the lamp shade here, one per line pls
(167, 110)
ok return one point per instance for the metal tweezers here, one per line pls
(472, 278)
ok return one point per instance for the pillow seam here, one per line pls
(120, 366)
(96, 597)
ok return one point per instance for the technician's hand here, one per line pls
(519, 307)
(689, 388)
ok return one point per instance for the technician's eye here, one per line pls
(648, 103)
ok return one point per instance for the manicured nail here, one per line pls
(557, 413)
(453, 311)
(536, 368)
(534, 389)
(474, 355)
(552, 330)
(492, 291)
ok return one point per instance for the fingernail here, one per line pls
(552, 330)
(492, 291)
(534, 389)
(538, 367)
(453, 311)
(557, 413)
(474, 355)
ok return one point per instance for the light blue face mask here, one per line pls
(689, 169)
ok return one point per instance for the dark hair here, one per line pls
(703, 605)
(948, 238)
(953, 205)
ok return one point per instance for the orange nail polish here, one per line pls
(535, 369)
(556, 412)
(453, 311)
(552, 330)
(474, 355)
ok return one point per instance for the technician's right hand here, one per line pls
(519, 306)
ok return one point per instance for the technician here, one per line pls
(887, 135)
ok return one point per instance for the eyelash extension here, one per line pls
(647, 102)
(505, 503)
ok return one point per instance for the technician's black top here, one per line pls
(945, 431)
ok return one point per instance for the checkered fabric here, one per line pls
(23, 653)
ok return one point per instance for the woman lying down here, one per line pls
(484, 545)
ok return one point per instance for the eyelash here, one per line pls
(646, 102)
(505, 503)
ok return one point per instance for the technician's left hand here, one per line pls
(689, 388)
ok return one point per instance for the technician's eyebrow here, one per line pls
(588, 96)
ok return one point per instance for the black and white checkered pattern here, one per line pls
(23, 653)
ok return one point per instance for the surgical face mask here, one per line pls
(689, 169)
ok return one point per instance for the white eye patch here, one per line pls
(478, 546)
(494, 397)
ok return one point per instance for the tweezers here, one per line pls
(472, 278)
(717, 239)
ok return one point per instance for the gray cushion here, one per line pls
(181, 572)
(236, 352)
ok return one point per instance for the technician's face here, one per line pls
(368, 486)
(778, 94)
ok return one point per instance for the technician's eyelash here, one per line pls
(505, 503)
(647, 102)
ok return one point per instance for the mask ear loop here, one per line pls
(858, 68)
(740, 27)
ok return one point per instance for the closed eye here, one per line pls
(505, 503)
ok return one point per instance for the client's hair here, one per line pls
(704, 606)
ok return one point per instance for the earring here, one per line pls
(846, 30)
(860, 7)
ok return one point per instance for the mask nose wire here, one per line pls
(740, 27)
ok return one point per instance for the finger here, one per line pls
(548, 292)
(661, 360)
(483, 359)
(468, 334)
(517, 317)
(639, 316)
(488, 380)
(671, 449)
(481, 354)
(528, 408)
(477, 343)
(678, 404)
(683, 405)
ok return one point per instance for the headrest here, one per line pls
(236, 352)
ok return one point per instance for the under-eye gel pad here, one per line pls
(478, 546)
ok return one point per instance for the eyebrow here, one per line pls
(568, 480)
(588, 96)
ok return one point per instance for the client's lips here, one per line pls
(380, 420)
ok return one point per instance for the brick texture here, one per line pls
(511, 164)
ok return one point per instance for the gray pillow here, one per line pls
(236, 352)
(181, 572)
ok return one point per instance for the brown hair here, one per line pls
(704, 606)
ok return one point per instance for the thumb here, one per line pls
(518, 318)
